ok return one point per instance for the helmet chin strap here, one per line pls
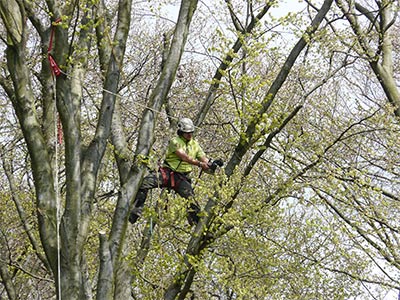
(181, 134)
(186, 138)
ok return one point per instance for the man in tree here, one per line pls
(183, 152)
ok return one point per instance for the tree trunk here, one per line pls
(380, 59)
(24, 103)
(130, 184)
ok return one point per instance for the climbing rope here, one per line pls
(56, 71)
(57, 193)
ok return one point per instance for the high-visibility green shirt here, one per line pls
(191, 148)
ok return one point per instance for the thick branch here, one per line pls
(248, 139)
(380, 59)
(24, 105)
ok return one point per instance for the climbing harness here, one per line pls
(172, 179)
(164, 175)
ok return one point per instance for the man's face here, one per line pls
(188, 135)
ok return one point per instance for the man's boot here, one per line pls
(192, 216)
(135, 214)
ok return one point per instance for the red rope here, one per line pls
(56, 71)
(53, 65)
(59, 131)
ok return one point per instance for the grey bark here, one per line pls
(81, 166)
(104, 282)
(13, 15)
(6, 277)
(380, 59)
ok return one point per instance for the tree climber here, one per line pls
(183, 152)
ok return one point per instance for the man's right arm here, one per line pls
(186, 158)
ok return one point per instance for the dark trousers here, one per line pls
(178, 182)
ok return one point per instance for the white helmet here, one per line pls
(185, 125)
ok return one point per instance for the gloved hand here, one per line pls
(213, 164)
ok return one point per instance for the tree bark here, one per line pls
(81, 166)
(13, 15)
(4, 271)
(379, 59)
